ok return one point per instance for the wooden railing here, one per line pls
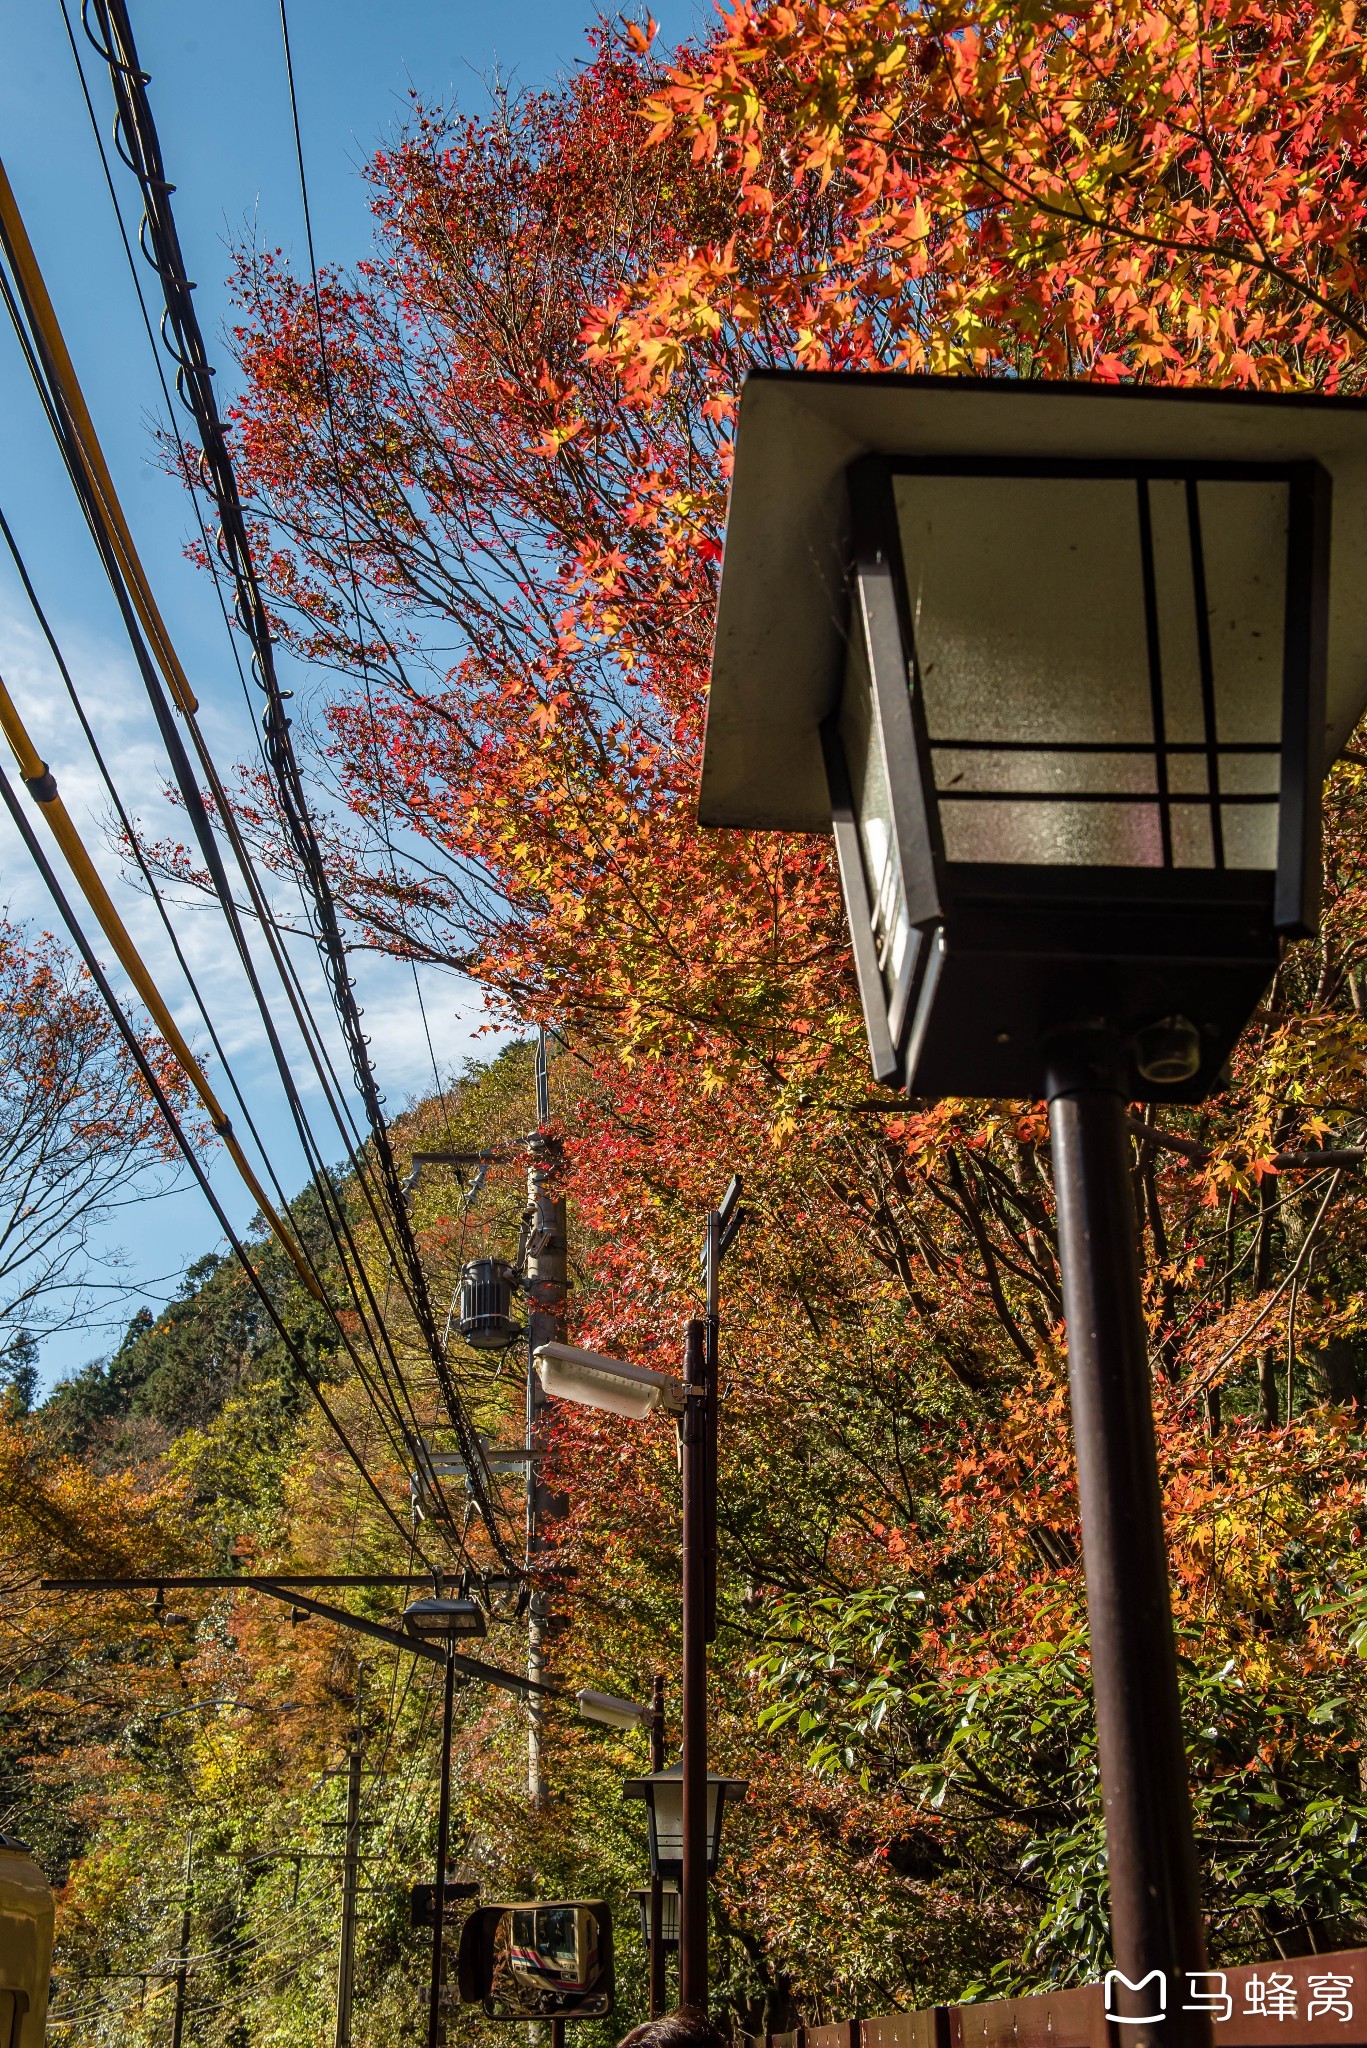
(1294, 2002)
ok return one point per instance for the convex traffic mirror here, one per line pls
(536, 1959)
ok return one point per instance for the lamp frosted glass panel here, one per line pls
(867, 766)
(1063, 730)
(667, 1819)
(1027, 616)
(669, 1914)
(1244, 535)
(1179, 644)
(1076, 834)
(1043, 773)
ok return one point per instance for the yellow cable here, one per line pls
(21, 256)
(34, 769)
(43, 789)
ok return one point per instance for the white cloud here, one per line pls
(116, 704)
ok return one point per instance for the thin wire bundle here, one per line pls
(139, 147)
(49, 363)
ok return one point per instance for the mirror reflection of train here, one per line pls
(538, 1959)
(555, 1947)
(25, 1947)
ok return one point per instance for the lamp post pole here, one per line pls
(547, 1287)
(657, 1890)
(183, 1953)
(701, 1405)
(443, 1840)
(697, 1497)
(346, 1947)
(1156, 1920)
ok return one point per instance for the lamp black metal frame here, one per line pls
(669, 1868)
(645, 1898)
(1136, 944)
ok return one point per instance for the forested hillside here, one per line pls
(517, 445)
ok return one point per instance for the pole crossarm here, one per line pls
(287, 1590)
(158, 1581)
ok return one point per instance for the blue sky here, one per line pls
(219, 97)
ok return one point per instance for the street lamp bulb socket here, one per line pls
(1168, 1053)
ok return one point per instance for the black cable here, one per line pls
(318, 1052)
(130, 837)
(312, 1039)
(194, 383)
(44, 374)
(271, 1174)
(187, 1150)
(334, 444)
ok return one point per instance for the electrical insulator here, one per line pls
(486, 1305)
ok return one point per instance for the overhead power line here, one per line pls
(141, 150)
(187, 1149)
(42, 787)
(54, 374)
(325, 367)
(64, 831)
(287, 1590)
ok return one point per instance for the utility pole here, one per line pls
(547, 1288)
(346, 1948)
(183, 1953)
(699, 1433)
(434, 2025)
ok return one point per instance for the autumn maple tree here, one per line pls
(534, 384)
(79, 1132)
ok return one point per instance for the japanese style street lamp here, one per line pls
(669, 1915)
(1062, 668)
(663, 1793)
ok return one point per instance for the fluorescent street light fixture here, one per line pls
(610, 1712)
(607, 1383)
(441, 1619)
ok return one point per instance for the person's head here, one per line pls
(677, 2030)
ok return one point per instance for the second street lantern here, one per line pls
(663, 1794)
(1062, 667)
